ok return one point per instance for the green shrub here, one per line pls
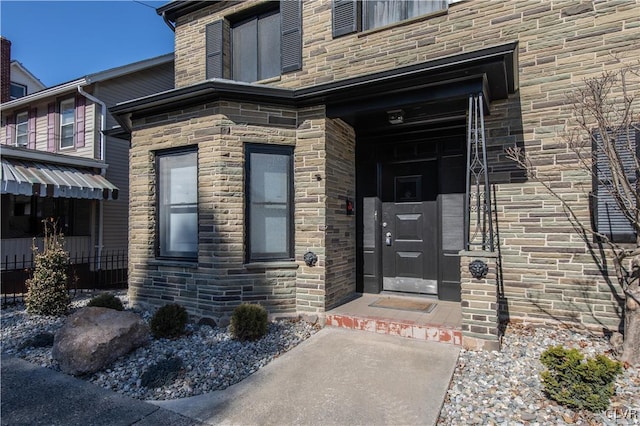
(169, 321)
(578, 384)
(248, 322)
(47, 289)
(162, 373)
(106, 300)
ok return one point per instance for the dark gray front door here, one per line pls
(410, 227)
(410, 249)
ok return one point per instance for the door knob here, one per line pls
(388, 239)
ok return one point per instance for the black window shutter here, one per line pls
(345, 17)
(214, 50)
(609, 219)
(291, 30)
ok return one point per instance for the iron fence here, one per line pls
(90, 272)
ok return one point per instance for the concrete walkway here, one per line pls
(337, 377)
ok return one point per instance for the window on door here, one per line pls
(269, 194)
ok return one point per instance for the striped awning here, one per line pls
(24, 177)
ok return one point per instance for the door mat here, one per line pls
(404, 305)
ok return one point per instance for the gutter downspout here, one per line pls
(103, 123)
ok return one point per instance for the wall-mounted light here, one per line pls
(395, 116)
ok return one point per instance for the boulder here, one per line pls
(93, 338)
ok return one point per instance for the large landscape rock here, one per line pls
(93, 338)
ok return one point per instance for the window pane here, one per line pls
(384, 12)
(66, 136)
(245, 51)
(269, 230)
(269, 180)
(269, 39)
(422, 7)
(17, 90)
(178, 206)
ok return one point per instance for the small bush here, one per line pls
(248, 322)
(106, 300)
(578, 384)
(162, 373)
(47, 289)
(169, 321)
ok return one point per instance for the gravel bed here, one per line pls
(504, 388)
(211, 359)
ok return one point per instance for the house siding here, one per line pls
(545, 267)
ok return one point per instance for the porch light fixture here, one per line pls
(396, 116)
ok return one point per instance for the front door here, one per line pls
(410, 227)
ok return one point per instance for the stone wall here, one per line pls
(546, 269)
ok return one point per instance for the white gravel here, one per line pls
(211, 359)
(488, 388)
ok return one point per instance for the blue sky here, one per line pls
(59, 41)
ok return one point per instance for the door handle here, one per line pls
(387, 240)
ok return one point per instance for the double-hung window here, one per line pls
(67, 123)
(177, 174)
(265, 42)
(618, 185)
(269, 194)
(22, 129)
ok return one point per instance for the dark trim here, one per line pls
(176, 9)
(498, 64)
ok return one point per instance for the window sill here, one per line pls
(272, 265)
(174, 263)
(404, 22)
(270, 80)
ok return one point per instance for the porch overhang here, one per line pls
(24, 174)
(492, 71)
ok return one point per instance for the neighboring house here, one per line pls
(21, 81)
(287, 115)
(65, 157)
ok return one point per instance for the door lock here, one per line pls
(388, 239)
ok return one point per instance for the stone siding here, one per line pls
(546, 270)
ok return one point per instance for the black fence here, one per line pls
(109, 271)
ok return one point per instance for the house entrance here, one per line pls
(412, 215)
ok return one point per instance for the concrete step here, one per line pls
(395, 327)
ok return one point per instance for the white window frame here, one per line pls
(22, 129)
(65, 125)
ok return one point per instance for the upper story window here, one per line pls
(22, 129)
(350, 16)
(253, 44)
(266, 41)
(379, 13)
(177, 174)
(17, 90)
(67, 123)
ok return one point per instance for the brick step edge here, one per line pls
(432, 333)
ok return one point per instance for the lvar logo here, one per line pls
(630, 415)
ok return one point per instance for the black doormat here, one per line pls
(404, 304)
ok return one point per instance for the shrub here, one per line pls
(578, 384)
(106, 300)
(248, 322)
(169, 321)
(162, 373)
(47, 289)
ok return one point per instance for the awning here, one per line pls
(24, 177)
